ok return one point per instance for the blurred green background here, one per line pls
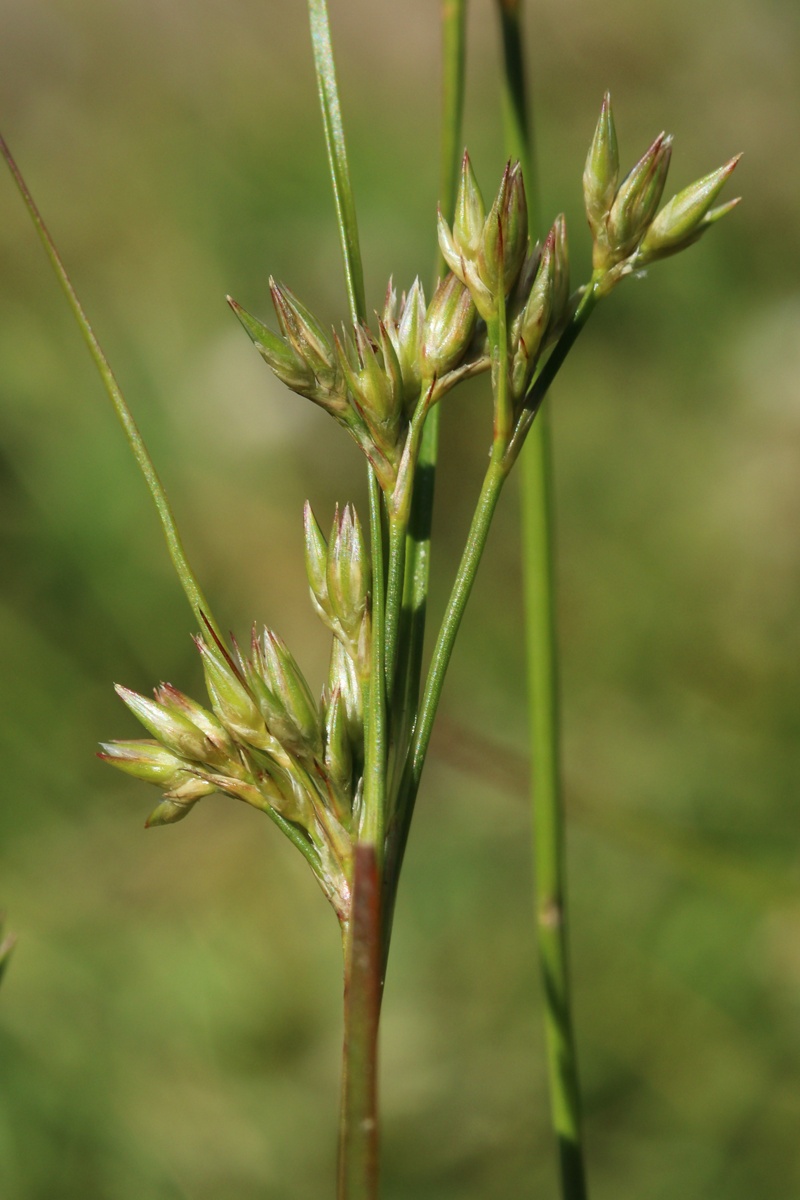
(169, 1024)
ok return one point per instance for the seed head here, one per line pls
(687, 216)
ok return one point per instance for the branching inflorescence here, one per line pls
(340, 775)
(505, 306)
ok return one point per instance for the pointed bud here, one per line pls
(638, 198)
(171, 728)
(470, 214)
(529, 329)
(342, 678)
(145, 760)
(406, 332)
(370, 386)
(349, 572)
(449, 326)
(316, 562)
(338, 751)
(686, 216)
(290, 369)
(285, 680)
(303, 332)
(231, 699)
(168, 812)
(601, 172)
(205, 721)
(505, 236)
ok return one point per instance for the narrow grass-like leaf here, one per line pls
(185, 574)
(337, 157)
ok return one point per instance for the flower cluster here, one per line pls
(628, 231)
(503, 305)
(265, 740)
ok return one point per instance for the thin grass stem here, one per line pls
(358, 1141)
(418, 550)
(337, 157)
(187, 577)
(537, 552)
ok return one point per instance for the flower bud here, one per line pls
(231, 699)
(405, 330)
(146, 760)
(686, 216)
(470, 214)
(505, 236)
(449, 326)
(214, 730)
(487, 252)
(601, 172)
(338, 751)
(374, 384)
(285, 680)
(637, 200)
(316, 563)
(349, 572)
(342, 677)
(290, 369)
(171, 728)
(168, 812)
(529, 328)
(304, 333)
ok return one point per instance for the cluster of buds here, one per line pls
(628, 231)
(265, 740)
(372, 384)
(492, 256)
(486, 252)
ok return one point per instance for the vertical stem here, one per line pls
(538, 537)
(358, 1136)
(418, 551)
(358, 1145)
(548, 815)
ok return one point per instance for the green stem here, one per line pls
(358, 1134)
(358, 1146)
(186, 575)
(337, 157)
(418, 549)
(548, 813)
(540, 386)
(538, 539)
(476, 541)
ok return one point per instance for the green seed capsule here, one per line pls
(686, 216)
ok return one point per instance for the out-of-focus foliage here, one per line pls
(169, 1025)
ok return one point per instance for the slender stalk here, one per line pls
(358, 1140)
(538, 539)
(418, 551)
(180, 562)
(476, 541)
